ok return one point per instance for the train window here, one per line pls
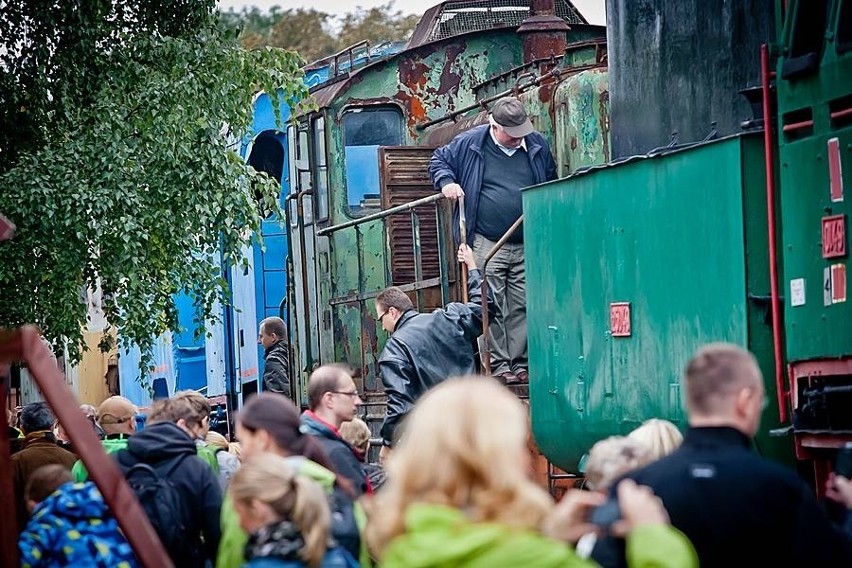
(844, 27)
(807, 37)
(267, 155)
(303, 181)
(320, 169)
(291, 145)
(364, 130)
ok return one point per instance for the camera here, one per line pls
(605, 515)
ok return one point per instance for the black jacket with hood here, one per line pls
(159, 445)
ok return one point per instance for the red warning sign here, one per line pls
(834, 236)
(835, 170)
(619, 319)
(838, 283)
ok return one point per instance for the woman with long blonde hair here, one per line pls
(286, 515)
(459, 493)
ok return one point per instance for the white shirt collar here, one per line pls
(505, 150)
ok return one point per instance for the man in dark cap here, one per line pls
(489, 165)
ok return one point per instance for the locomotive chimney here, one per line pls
(543, 32)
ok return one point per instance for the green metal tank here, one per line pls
(630, 268)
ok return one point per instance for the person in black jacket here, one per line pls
(424, 349)
(276, 356)
(737, 508)
(333, 399)
(166, 445)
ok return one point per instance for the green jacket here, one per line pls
(110, 445)
(233, 542)
(442, 537)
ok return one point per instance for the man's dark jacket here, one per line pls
(276, 368)
(341, 455)
(426, 349)
(740, 509)
(158, 445)
(461, 162)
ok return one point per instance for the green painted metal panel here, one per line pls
(666, 234)
(817, 325)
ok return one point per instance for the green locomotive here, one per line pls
(649, 245)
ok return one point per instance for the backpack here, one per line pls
(163, 506)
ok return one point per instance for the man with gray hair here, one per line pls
(276, 356)
(489, 165)
(39, 449)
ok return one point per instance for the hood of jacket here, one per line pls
(158, 442)
(438, 536)
(73, 501)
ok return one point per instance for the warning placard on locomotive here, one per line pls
(619, 319)
(834, 236)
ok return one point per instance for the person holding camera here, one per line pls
(459, 494)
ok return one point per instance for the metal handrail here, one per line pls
(486, 354)
(380, 215)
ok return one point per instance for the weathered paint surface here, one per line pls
(682, 293)
(424, 84)
(582, 121)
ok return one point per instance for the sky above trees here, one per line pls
(593, 10)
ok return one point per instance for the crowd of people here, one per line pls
(453, 484)
(295, 488)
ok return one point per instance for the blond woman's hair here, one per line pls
(612, 457)
(463, 447)
(217, 440)
(236, 449)
(661, 436)
(272, 480)
(357, 434)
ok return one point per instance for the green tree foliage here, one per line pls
(118, 126)
(315, 34)
(375, 25)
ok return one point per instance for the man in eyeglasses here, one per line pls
(332, 400)
(425, 349)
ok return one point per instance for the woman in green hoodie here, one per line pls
(269, 422)
(459, 494)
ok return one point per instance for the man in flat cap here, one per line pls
(489, 165)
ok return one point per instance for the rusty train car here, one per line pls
(359, 160)
(678, 217)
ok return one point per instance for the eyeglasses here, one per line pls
(353, 394)
(381, 317)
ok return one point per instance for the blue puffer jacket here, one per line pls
(461, 162)
(74, 527)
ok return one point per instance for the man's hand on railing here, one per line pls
(465, 255)
(452, 191)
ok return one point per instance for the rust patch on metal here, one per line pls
(603, 105)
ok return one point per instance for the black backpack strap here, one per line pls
(173, 466)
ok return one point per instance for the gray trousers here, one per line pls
(507, 282)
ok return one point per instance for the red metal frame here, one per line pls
(773, 250)
(25, 344)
